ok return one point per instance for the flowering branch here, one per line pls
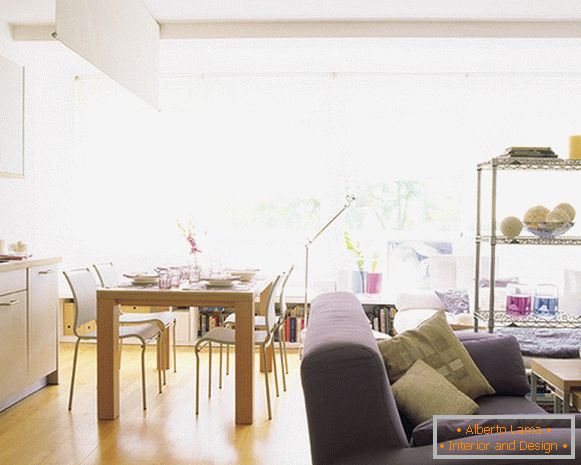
(189, 234)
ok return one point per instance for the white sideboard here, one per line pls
(28, 327)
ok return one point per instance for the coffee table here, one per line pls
(563, 375)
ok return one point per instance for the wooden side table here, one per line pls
(564, 375)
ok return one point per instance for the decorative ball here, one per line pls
(558, 216)
(537, 214)
(511, 226)
(568, 208)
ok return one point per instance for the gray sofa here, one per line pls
(352, 415)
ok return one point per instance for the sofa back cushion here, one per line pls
(500, 361)
(348, 398)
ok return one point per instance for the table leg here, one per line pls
(107, 360)
(262, 309)
(244, 362)
(534, 388)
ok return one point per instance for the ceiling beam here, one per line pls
(341, 29)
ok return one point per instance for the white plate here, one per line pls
(144, 280)
(220, 282)
(244, 275)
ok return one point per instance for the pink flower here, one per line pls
(188, 233)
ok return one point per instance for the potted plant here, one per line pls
(358, 280)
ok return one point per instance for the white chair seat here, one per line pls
(144, 332)
(259, 320)
(162, 318)
(228, 336)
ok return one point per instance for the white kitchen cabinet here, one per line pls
(42, 321)
(28, 328)
(13, 337)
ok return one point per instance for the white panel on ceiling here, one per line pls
(121, 38)
(11, 118)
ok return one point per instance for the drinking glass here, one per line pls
(164, 279)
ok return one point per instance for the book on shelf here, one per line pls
(378, 317)
(294, 323)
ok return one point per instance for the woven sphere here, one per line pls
(558, 216)
(568, 208)
(537, 214)
(511, 226)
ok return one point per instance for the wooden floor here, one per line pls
(40, 430)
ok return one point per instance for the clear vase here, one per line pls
(194, 269)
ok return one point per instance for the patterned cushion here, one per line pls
(455, 301)
(435, 343)
(423, 392)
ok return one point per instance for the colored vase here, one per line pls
(373, 283)
(358, 282)
(518, 300)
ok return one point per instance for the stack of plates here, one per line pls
(142, 278)
(244, 275)
(221, 281)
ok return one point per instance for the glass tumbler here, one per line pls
(164, 279)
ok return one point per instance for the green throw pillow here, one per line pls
(435, 343)
(423, 392)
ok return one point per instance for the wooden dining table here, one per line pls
(241, 298)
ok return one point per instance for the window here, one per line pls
(260, 162)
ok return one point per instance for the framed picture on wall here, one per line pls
(11, 119)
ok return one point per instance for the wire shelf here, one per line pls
(531, 240)
(508, 163)
(562, 320)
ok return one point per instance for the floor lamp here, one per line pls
(348, 201)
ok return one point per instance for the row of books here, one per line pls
(209, 318)
(293, 325)
(379, 319)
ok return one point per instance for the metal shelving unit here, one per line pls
(499, 317)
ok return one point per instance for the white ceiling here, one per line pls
(42, 11)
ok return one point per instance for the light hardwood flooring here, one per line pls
(40, 430)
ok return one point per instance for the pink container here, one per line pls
(373, 283)
(518, 300)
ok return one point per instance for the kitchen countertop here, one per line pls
(28, 263)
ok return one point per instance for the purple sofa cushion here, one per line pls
(500, 361)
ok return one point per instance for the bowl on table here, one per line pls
(220, 281)
(141, 279)
(245, 275)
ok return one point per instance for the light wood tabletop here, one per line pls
(240, 298)
(563, 374)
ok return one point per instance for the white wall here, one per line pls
(34, 209)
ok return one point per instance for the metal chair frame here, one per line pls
(124, 334)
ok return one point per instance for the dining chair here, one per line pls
(259, 323)
(84, 290)
(263, 338)
(109, 277)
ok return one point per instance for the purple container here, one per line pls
(518, 305)
(373, 283)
